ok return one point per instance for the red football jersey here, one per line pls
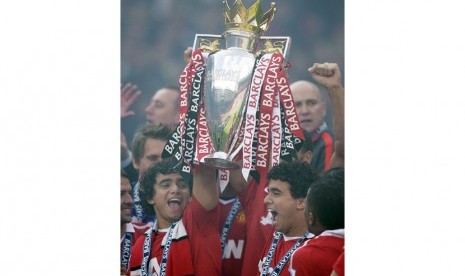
(233, 255)
(283, 246)
(317, 256)
(259, 225)
(136, 230)
(195, 247)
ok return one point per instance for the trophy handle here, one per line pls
(210, 43)
(271, 44)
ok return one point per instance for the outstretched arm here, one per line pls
(205, 189)
(329, 76)
(236, 179)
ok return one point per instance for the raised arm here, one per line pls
(329, 76)
(236, 179)
(205, 189)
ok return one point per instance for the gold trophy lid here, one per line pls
(251, 20)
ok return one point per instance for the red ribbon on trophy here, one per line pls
(235, 99)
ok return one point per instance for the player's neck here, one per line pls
(162, 224)
(297, 230)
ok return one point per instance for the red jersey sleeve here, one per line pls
(202, 229)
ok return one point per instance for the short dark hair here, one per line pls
(326, 199)
(298, 174)
(149, 178)
(154, 131)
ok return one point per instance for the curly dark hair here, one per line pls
(326, 199)
(149, 178)
(299, 175)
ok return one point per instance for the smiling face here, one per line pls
(126, 200)
(170, 197)
(287, 212)
(310, 107)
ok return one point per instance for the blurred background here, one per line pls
(155, 33)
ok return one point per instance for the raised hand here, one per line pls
(329, 76)
(326, 74)
(129, 94)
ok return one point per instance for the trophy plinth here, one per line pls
(220, 161)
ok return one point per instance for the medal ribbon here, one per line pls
(126, 250)
(277, 270)
(166, 250)
(148, 246)
(146, 249)
(228, 223)
(137, 203)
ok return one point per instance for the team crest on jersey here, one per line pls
(240, 217)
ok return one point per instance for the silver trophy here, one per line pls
(229, 73)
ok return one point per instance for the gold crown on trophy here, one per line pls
(251, 19)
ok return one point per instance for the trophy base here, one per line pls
(219, 160)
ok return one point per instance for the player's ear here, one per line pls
(301, 204)
(135, 165)
(151, 200)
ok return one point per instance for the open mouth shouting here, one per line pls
(273, 215)
(175, 205)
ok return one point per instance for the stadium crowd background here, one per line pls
(154, 34)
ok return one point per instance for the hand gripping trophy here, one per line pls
(235, 98)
